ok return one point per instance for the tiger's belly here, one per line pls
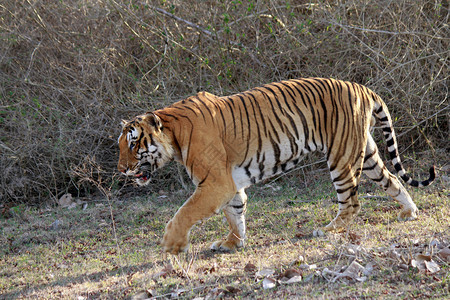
(268, 163)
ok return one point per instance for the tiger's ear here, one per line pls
(123, 123)
(154, 120)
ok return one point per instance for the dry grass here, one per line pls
(110, 250)
(70, 70)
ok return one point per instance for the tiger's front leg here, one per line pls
(235, 214)
(207, 200)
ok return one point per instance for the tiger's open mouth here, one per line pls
(142, 178)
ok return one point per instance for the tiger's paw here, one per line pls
(408, 214)
(226, 246)
(173, 241)
(337, 225)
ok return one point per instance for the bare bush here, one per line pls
(70, 70)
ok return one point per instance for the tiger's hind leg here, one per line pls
(375, 169)
(346, 184)
(348, 206)
(235, 214)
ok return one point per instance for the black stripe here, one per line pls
(277, 153)
(206, 106)
(390, 142)
(267, 97)
(368, 156)
(393, 154)
(230, 107)
(274, 131)
(275, 97)
(379, 178)
(167, 115)
(247, 167)
(203, 180)
(257, 124)
(371, 167)
(261, 167)
(380, 109)
(263, 118)
(335, 115)
(341, 191)
(303, 120)
(342, 175)
(238, 206)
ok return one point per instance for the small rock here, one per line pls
(265, 273)
(66, 200)
(269, 283)
(55, 225)
(318, 233)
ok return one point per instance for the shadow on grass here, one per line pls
(79, 279)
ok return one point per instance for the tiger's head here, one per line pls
(144, 147)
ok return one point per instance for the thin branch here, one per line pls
(208, 33)
(432, 116)
(390, 32)
(2, 145)
(182, 20)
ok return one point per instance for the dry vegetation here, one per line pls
(70, 70)
(110, 249)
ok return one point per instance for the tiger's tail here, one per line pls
(382, 114)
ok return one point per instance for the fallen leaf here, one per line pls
(423, 257)
(143, 295)
(354, 238)
(177, 293)
(354, 249)
(418, 264)
(269, 283)
(232, 289)
(353, 271)
(291, 280)
(265, 273)
(250, 268)
(168, 269)
(289, 273)
(444, 254)
(432, 266)
(308, 267)
(425, 264)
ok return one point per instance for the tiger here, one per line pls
(228, 143)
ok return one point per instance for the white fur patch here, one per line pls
(391, 148)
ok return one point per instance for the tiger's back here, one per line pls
(267, 130)
(229, 143)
